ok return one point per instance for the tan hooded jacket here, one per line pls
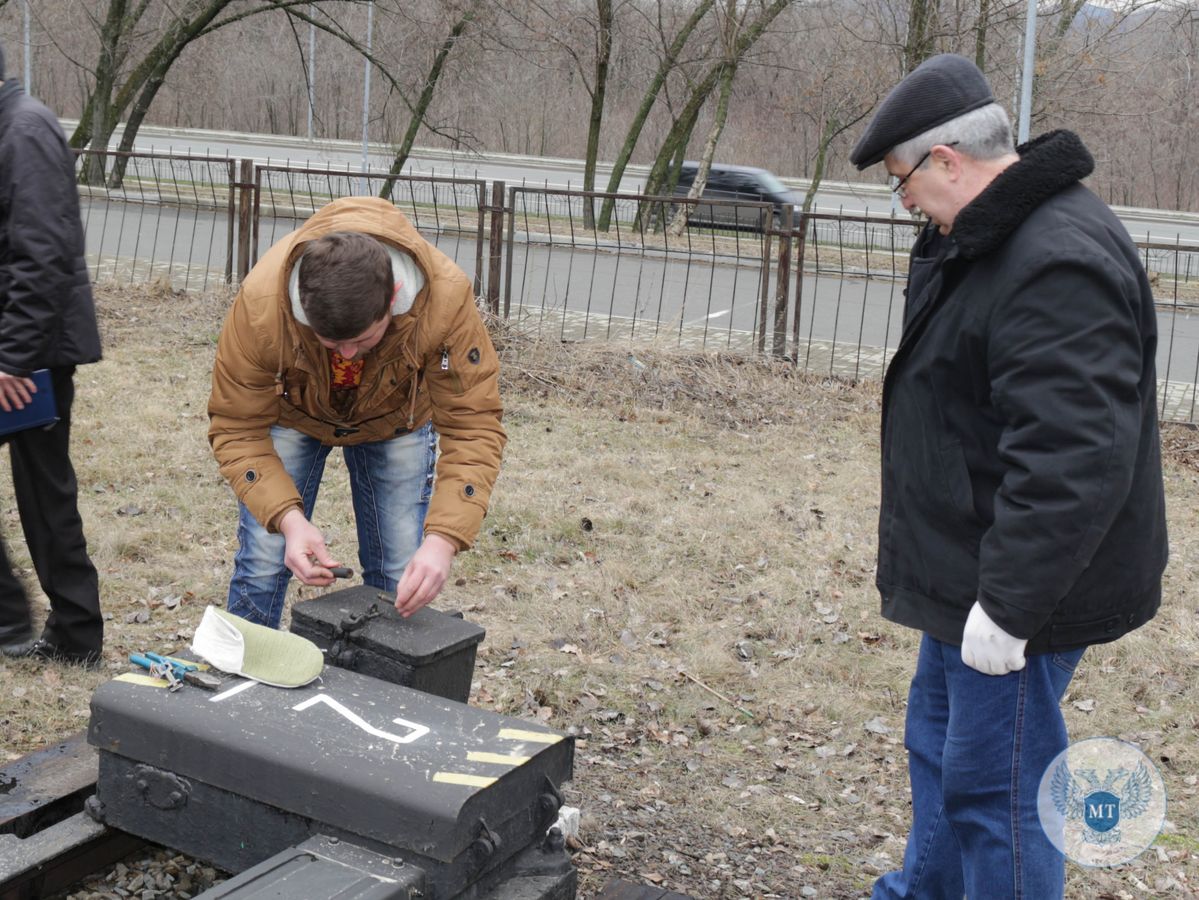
(434, 362)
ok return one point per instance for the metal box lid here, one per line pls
(397, 765)
(320, 868)
(425, 636)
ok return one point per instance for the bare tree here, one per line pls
(664, 171)
(420, 108)
(122, 83)
(731, 24)
(582, 32)
(667, 63)
(128, 75)
(521, 76)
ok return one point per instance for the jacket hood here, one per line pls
(378, 218)
(1049, 164)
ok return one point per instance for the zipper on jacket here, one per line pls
(455, 378)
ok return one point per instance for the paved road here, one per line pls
(846, 325)
(853, 198)
(575, 295)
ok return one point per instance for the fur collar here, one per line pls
(1048, 164)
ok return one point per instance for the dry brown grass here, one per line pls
(677, 568)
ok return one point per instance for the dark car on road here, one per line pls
(740, 186)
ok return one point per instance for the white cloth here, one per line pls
(987, 647)
(254, 651)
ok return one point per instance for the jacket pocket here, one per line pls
(1067, 660)
(955, 479)
(1095, 631)
(294, 390)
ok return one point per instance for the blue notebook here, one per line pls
(40, 412)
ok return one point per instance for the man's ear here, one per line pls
(949, 158)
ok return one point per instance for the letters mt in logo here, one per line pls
(1102, 811)
(1084, 796)
(1102, 802)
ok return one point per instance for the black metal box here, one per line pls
(359, 629)
(323, 867)
(238, 776)
(320, 868)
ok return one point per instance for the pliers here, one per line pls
(175, 671)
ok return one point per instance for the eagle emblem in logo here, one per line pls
(1101, 804)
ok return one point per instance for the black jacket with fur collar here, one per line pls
(1020, 449)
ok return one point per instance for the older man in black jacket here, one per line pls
(1022, 515)
(47, 321)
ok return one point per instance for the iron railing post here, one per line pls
(231, 219)
(782, 282)
(496, 249)
(764, 298)
(801, 246)
(510, 244)
(480, 231)
(245, 201)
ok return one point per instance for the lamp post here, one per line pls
(28, 61)
(311, 66)
(366, 95)
(1030, 52)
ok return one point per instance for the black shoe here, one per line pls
(44, 649)
(17, 647)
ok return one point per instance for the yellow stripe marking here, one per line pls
(147, 680)
(536, 737)
(502, 759)
(480, 781)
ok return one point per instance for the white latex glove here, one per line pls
(988, 648)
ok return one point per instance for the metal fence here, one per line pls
(825, 292)
(149, 217)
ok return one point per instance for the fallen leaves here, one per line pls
(878, 726)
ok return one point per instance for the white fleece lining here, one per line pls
(409, 280)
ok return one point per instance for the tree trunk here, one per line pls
(662, 176)
(603, 57)
(922, 16)
(833, 126)
(147, 78)
(826, 138)
(664, 172)
(980, 34)
(99, 114)
(425, 100)
(727, 74)
(680, 132)
(647, 102)
(136, 116)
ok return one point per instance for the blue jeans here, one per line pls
(390, 485)
(977, 748)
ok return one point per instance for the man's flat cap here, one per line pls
(939, 89)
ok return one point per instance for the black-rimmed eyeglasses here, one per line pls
(899, 189)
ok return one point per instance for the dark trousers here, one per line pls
(47, 500)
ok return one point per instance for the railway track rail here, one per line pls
(47, 842)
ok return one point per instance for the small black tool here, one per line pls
(341, 571)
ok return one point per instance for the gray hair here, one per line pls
(983, 133)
